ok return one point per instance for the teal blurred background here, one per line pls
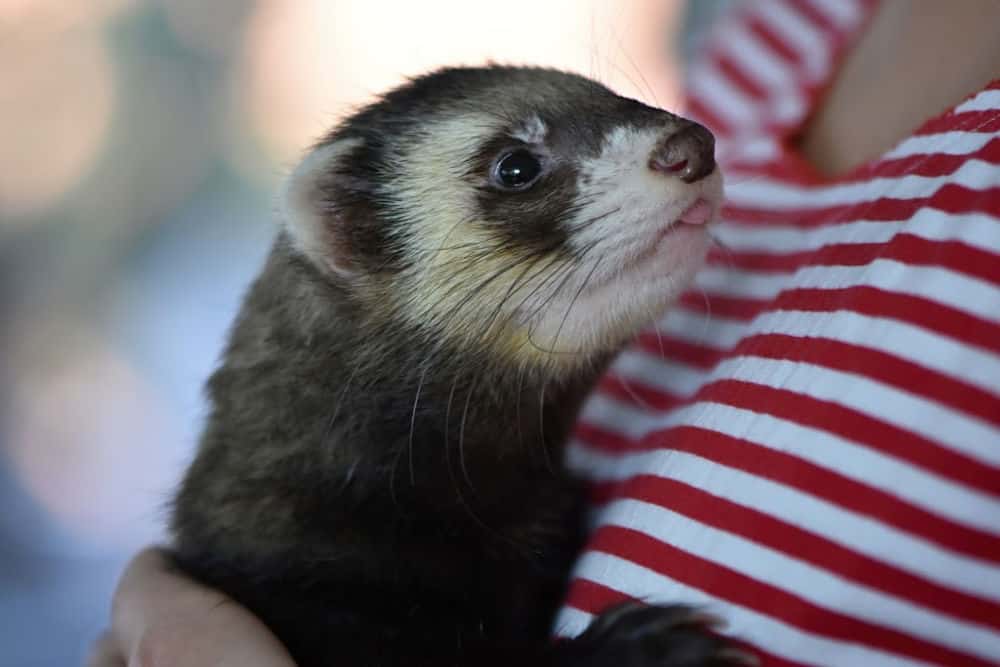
(140, 144)
(133, 209)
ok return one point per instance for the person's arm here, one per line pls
(160, 617)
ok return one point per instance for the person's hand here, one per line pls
(160, 618)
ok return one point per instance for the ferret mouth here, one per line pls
(630, 282)
(698, 213)
(692, 222)
(660, 251)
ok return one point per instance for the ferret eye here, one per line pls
(517, 170)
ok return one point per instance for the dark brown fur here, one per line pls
(382, 496)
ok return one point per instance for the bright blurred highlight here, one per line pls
(308, 63)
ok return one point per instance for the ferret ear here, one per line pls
(316, 226)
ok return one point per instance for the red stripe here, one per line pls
(714, 305)
(803, 545)
(859, 428)
(637, 393)
(781, 170)
(931, 165)
(908, 248)
(815, 17)
(925, 313)
(928, 314)
(807, 477)
(915, 250)
(592, 597)
(986, 120)
(668, 347)
(697, 110)
(762, 262)
(877, 365)
(874, 364)
(950, 198)
(728, 584)
(845, 422)
(771, 41)
(733, 72)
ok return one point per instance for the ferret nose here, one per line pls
(688, 153)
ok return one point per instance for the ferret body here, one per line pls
(380, 478)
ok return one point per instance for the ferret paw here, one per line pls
(637, 635)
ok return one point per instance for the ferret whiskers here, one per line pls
(413, 421)
(461, 435)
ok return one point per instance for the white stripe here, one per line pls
(758, 149)
(787, 109)
(975, 229)
(724, 281)
(944, 286)
(703, 329)
(784, 100)
(713, 90)
(813, 514)
(955, 142)
(773, 635)
(915, 485)
(818, 586)
(760, 64)
(571, 622)
(771, 194)
(985, 100)
(906, 341)
(800, 35)
(650, 370)
(958, 431)
(750, 149)
(845, 14)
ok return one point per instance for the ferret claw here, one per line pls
(637, 635)
(707, 619)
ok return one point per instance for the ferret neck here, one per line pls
(383, 414)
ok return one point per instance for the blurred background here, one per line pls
(140, 144)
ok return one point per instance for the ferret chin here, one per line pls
(380, 478)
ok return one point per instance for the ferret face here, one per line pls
(530, 212)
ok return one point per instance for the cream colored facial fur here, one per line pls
(467, 285)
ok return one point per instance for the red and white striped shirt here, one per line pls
(809, 443)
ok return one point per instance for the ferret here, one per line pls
(380, 478)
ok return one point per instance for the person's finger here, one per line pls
(147, 593)
(105, 653)
(161, 617)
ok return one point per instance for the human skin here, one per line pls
(916, 60)
(162, 619)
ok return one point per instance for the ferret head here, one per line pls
(527, 212)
